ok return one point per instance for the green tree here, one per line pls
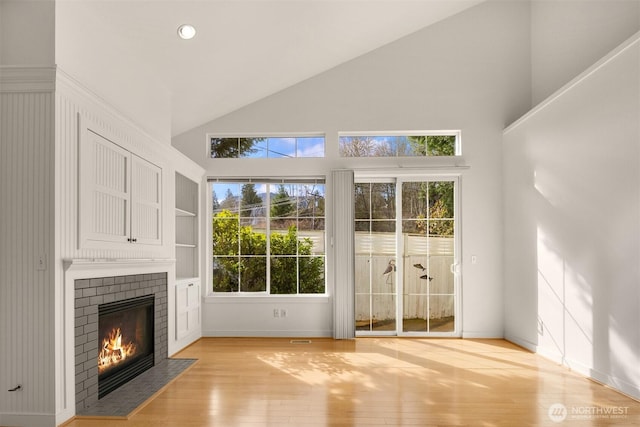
(434, 145)
(431, 204)
(215, 204)
(311, 272)
(286, 276)
(282, 204)
(233, 147)
(240, 259)
(253, 260)
(230, 202)
(226, 263)
(239, 255)
(250, 201)
(225, 234)
(284, 269)
(442, 191)
(440, 223)
(415, 203)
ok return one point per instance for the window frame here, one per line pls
(274, 183)
(268, 135)
(456, 133)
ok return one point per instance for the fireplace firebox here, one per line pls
(126, 341)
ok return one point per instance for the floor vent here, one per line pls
(300, 341)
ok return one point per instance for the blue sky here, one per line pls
(286, 147)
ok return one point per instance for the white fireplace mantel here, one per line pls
(89, 268)
(98, 267)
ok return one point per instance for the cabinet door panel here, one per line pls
(194, 306)
(146, 211)
(182, 313)
(187, 308)
(105, 190)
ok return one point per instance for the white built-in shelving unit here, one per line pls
(187, 288)
(186, 228)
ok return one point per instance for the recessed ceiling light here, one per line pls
(186, 31)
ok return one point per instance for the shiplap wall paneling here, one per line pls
(70, 106)
(76, 110)
(27, 246)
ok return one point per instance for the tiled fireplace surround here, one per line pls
(89, 294)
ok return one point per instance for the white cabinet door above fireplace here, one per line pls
(146, 196)
(120, 195)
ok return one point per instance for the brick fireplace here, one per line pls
(89, 295)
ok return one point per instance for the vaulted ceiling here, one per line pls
(243, 51)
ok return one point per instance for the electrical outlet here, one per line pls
(283, 312)
(276, 312)
(41, 262)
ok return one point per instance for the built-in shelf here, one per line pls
(187, 286)
(186, 210)
(182, 212)
(186, 245)
(180, 279)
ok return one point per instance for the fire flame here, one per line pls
(112, 351)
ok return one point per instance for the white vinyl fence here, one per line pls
(421, 297)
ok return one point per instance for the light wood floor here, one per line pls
(374, 381)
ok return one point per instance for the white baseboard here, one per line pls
(620, 385)
(623, 386)
(268, 334)
(66, 415)
(483, 334)
(532, 347)
(28, 420)
(176, 346)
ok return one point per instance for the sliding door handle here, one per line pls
(455, 268)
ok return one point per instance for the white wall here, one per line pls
(470, 72)
(27, 32)
(572, 223)
(569, 36)
(118, 74)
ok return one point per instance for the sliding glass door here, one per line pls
(375, 259)
(406, 244)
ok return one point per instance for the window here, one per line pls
(268, 236)
(400, 145)
(266, 147)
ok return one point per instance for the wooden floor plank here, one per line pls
(375, 381)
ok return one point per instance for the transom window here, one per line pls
(268, 236)
(446, 143)
(267, 147)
